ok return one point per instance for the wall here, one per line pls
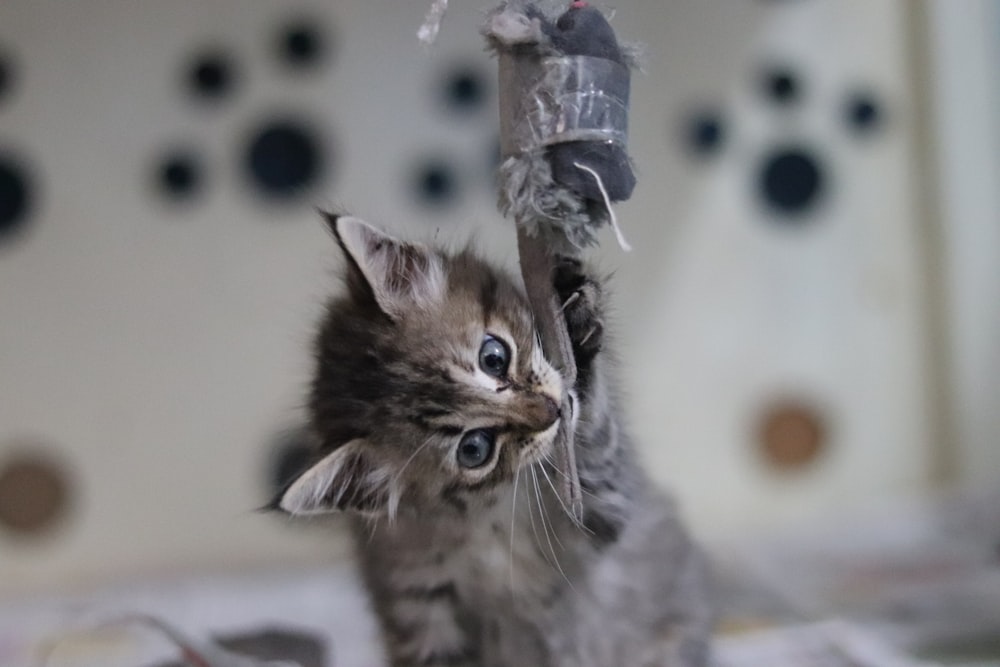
(158, 292)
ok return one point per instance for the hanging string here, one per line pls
(428, 31)
(607, 205)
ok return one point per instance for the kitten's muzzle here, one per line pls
(535, 412)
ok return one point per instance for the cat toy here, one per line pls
(564, 95)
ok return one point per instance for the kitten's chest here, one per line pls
(518, 549)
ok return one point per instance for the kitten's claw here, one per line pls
(580, 293)
(570, 301)
(588, 336)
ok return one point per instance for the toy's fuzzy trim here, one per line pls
(634, 54)
(527, 192)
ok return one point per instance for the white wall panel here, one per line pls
(155, 349)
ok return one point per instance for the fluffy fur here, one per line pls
(481, 566)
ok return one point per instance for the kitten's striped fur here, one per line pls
(481, 566)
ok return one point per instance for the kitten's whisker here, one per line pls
(552, 486)
(531, 518)
(399, 473)
(558, 471)
(513, 516)
(545, 529)
(578, 523)
(551, 523)
(541, 515)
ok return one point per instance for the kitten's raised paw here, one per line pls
(580, 295)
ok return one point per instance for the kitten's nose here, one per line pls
(539, 412)
(552, 410)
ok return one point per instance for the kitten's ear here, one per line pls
(346, 480)
(399, 275)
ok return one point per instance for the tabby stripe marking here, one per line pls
(445, 591)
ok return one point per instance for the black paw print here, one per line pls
(463, 92)
(18, 184)
(283, 155)
(791, 177)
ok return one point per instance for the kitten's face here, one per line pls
(431, 388)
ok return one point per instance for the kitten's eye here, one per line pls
(494, 357)
(475, 448)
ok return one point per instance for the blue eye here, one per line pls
(494, 357)
(475, 448)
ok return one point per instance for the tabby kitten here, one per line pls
(436, 414)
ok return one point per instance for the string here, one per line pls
(607, 204)
(428, 31)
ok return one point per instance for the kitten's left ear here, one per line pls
(346, 480)
(399, 274)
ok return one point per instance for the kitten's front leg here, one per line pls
(425, 627)
(606, 474)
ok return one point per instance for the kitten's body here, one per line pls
(480, 565)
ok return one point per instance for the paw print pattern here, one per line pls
(302, 46)
(863, 113)
(283, 156)
(6, 77)
(180, 174)
(211, 76)
(464, 90)
(705, 133)
(17, 195)
(791, 177)
(781, 85)
(437, 180)
(17, 182)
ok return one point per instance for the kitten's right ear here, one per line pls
(346, 480)
(397, 275)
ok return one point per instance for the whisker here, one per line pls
(552, 486)
(551, 523)
(559, 471)
(513, 516)
(531, 518)
(541, 512)
(541, 515)
(395, 478)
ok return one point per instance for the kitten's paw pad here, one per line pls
(581, 296)
(569, 275)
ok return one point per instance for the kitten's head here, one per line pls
(430, 388)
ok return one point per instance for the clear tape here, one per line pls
(558, 99)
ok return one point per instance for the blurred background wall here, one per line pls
(810, 322)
